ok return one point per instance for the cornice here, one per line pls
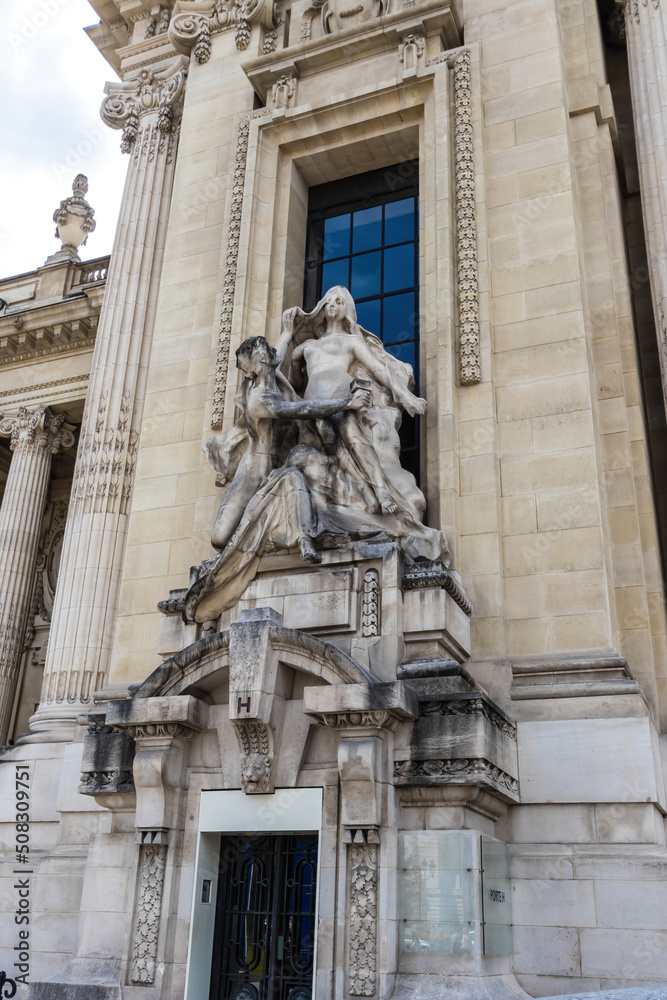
(342, 47)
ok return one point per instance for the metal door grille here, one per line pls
(265, 918)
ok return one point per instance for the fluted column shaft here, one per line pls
(646, 35)
(35, 436)
(86, 598)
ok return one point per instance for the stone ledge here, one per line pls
(572, 677)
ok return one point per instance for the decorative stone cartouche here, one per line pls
(74, 219)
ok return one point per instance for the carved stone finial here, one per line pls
(74, 219)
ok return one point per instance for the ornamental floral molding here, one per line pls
(105, 467)
(457, 771)
(370, 603)
(190, 30)
(362, 958)
(147, 927)
(469, 706)
(367, 719)
(161, 730)
(427, 575)
(466, 225)
(154, 94)
(231, 267)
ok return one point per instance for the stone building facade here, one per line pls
(401, 735)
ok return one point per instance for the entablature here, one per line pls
(52, 310)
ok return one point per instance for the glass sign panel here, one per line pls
(496, 898)
(436, 893)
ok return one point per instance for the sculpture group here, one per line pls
(313, 458)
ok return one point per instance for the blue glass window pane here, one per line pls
(399, 221)
(404, 352)
(367, 233)
(335, 273)
(399, 267)
(336, 236)
(368, 316)
(366, 275)
(400, 318)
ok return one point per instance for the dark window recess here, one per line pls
(264, 936)
(363, 233)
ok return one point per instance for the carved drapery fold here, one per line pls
(149, 903)
(466, 224)
(35, 435)
(362, 947)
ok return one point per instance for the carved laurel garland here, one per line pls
(466, 230)
(231, 265)
(363, 862)
(370, 604)
(144, 949)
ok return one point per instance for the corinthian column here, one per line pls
(646, 35)
(35, 436)
(147, 108)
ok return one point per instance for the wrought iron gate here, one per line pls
(265, 918)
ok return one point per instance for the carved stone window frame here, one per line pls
(287, 152)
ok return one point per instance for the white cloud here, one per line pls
(51, 86)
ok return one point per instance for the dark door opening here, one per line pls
(264, 940)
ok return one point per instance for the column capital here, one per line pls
(37, 429)
(143, 93)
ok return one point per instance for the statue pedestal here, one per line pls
(362, 599)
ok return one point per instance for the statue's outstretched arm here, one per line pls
(386, 377)
(313, 409)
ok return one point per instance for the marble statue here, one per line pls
(313, 459)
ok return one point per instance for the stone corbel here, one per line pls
(411, 54)
(190, 28)
(144, 93)
(283, 92)
(252, 681)
(161, 729)
(360, 712)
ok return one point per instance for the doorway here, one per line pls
(264, 937)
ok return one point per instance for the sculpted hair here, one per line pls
(252, 344)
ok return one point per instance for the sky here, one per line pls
(51, 87)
